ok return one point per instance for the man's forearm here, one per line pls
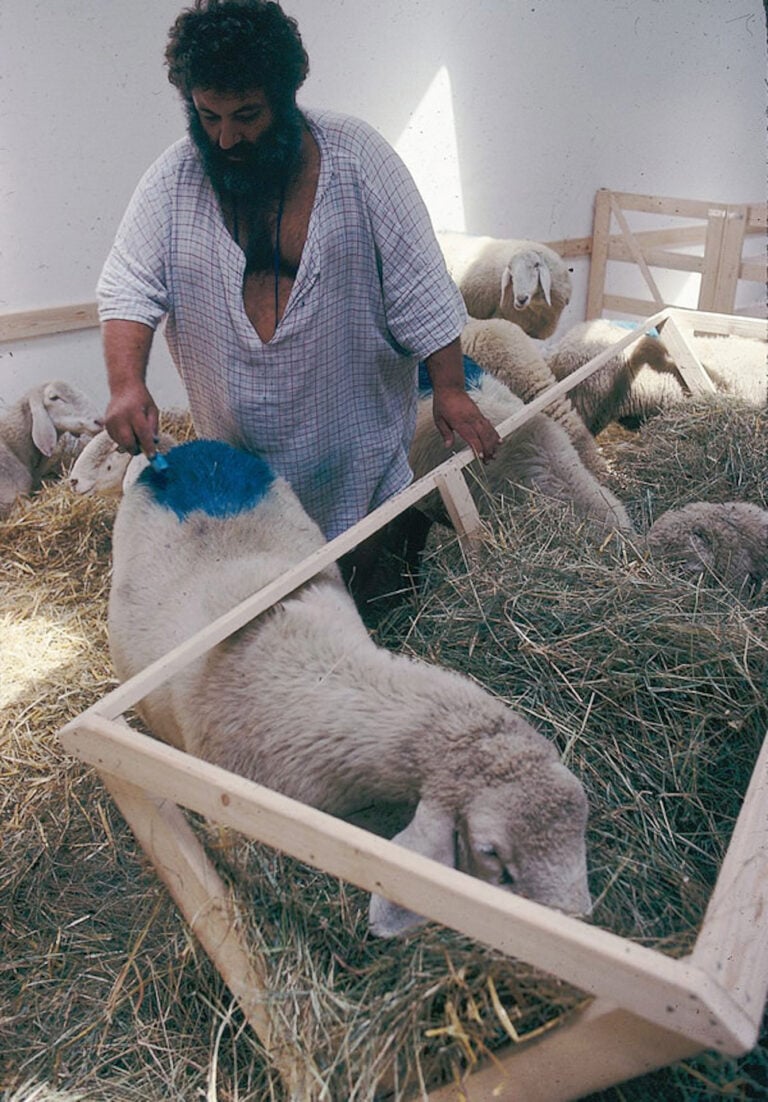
(446, 367)
(131, 418)
(126, 352)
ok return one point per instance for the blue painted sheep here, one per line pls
(303, 701)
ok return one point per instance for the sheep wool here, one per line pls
(504, 350)
(208, 476)
(638, 382)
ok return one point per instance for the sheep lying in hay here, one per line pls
(105, 993)
(539, 456)
(520, 280)
(642, 380)
(303, 701)
(30, 431)
(502, 349)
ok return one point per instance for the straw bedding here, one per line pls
(654, 688)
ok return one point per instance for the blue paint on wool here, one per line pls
(473, 374)
(652, 332)
(208, 476)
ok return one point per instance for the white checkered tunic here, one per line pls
(329, 401)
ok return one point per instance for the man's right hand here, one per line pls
(132, 420)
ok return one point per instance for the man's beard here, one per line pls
(253, 174)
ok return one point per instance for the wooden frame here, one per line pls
(721, 232)
(649, 1010)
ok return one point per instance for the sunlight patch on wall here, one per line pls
(428, 146)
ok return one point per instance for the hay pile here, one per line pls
(654, 688)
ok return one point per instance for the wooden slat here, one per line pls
(670, 993)
(602, 1046)
(712, 250)
(730, 259)
(571, 246)
(45, 322)
(636, 252)
(733, 943)
(658, 258)
(754, 271)
(695, 321)
(688, 364)
(182, 864)
(657, 204)
(459, 504)
(601, 228)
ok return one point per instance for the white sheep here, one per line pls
(726, 540)
(303, 701)
(517, 279)
(30, 430)
(100, 468)
(501, 348)
(539, 456)
(638, 382)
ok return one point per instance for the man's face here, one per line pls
(247, 149)
(233, 121)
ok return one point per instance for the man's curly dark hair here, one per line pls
(234, 46)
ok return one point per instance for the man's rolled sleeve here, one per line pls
(132, 285)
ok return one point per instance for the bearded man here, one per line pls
(298, 273)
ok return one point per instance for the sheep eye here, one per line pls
(488, 851)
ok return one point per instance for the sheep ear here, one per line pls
(44, 435)
(507, 290)
(136, 465)
(701, 542)
(545, 279)
(431, 832)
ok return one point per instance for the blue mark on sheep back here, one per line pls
(209, 476)
(473, 374)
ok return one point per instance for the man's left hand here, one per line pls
(455, 412)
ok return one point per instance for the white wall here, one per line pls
(510, 113)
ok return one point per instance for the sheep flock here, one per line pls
(641, 654)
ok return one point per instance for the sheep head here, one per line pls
(726, 541)
(535, 289)
(524, 833)
(100, 468)
(524, 276)
(58, 407)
